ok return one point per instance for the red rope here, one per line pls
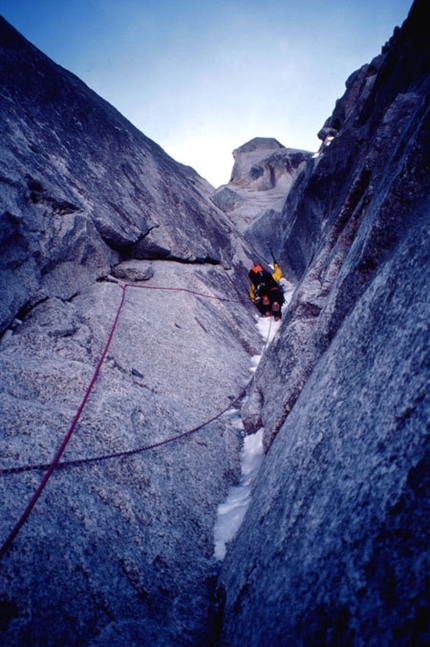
(128, 452)
(55, 463)
(199, 294)
(63, 445)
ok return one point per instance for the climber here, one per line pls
(265, 290)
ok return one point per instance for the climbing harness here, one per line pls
(55, 462)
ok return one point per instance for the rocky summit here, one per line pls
(263, 173)
(128, 354)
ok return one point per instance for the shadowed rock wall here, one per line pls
(118, 551)
(334, 548)
(80, 187)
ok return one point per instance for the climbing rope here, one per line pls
(55, 462)
(199, 294)
(67, 437)
(129, 452)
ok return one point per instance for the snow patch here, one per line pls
(255, 360)
(267, 327)
(232, 512)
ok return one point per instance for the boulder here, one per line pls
(133, 270)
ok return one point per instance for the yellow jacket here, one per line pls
(277, 275)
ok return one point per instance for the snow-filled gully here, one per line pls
(232, 512)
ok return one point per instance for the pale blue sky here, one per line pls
(202, 77)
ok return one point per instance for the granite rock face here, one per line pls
(334, 548)
(262, 166)
(117, 551)
(120, 550)
(264, 171)
(81, 187)
(264, 163)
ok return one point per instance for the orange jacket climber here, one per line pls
(265, 291)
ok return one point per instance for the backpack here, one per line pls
(257, 274)
(262, 280)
